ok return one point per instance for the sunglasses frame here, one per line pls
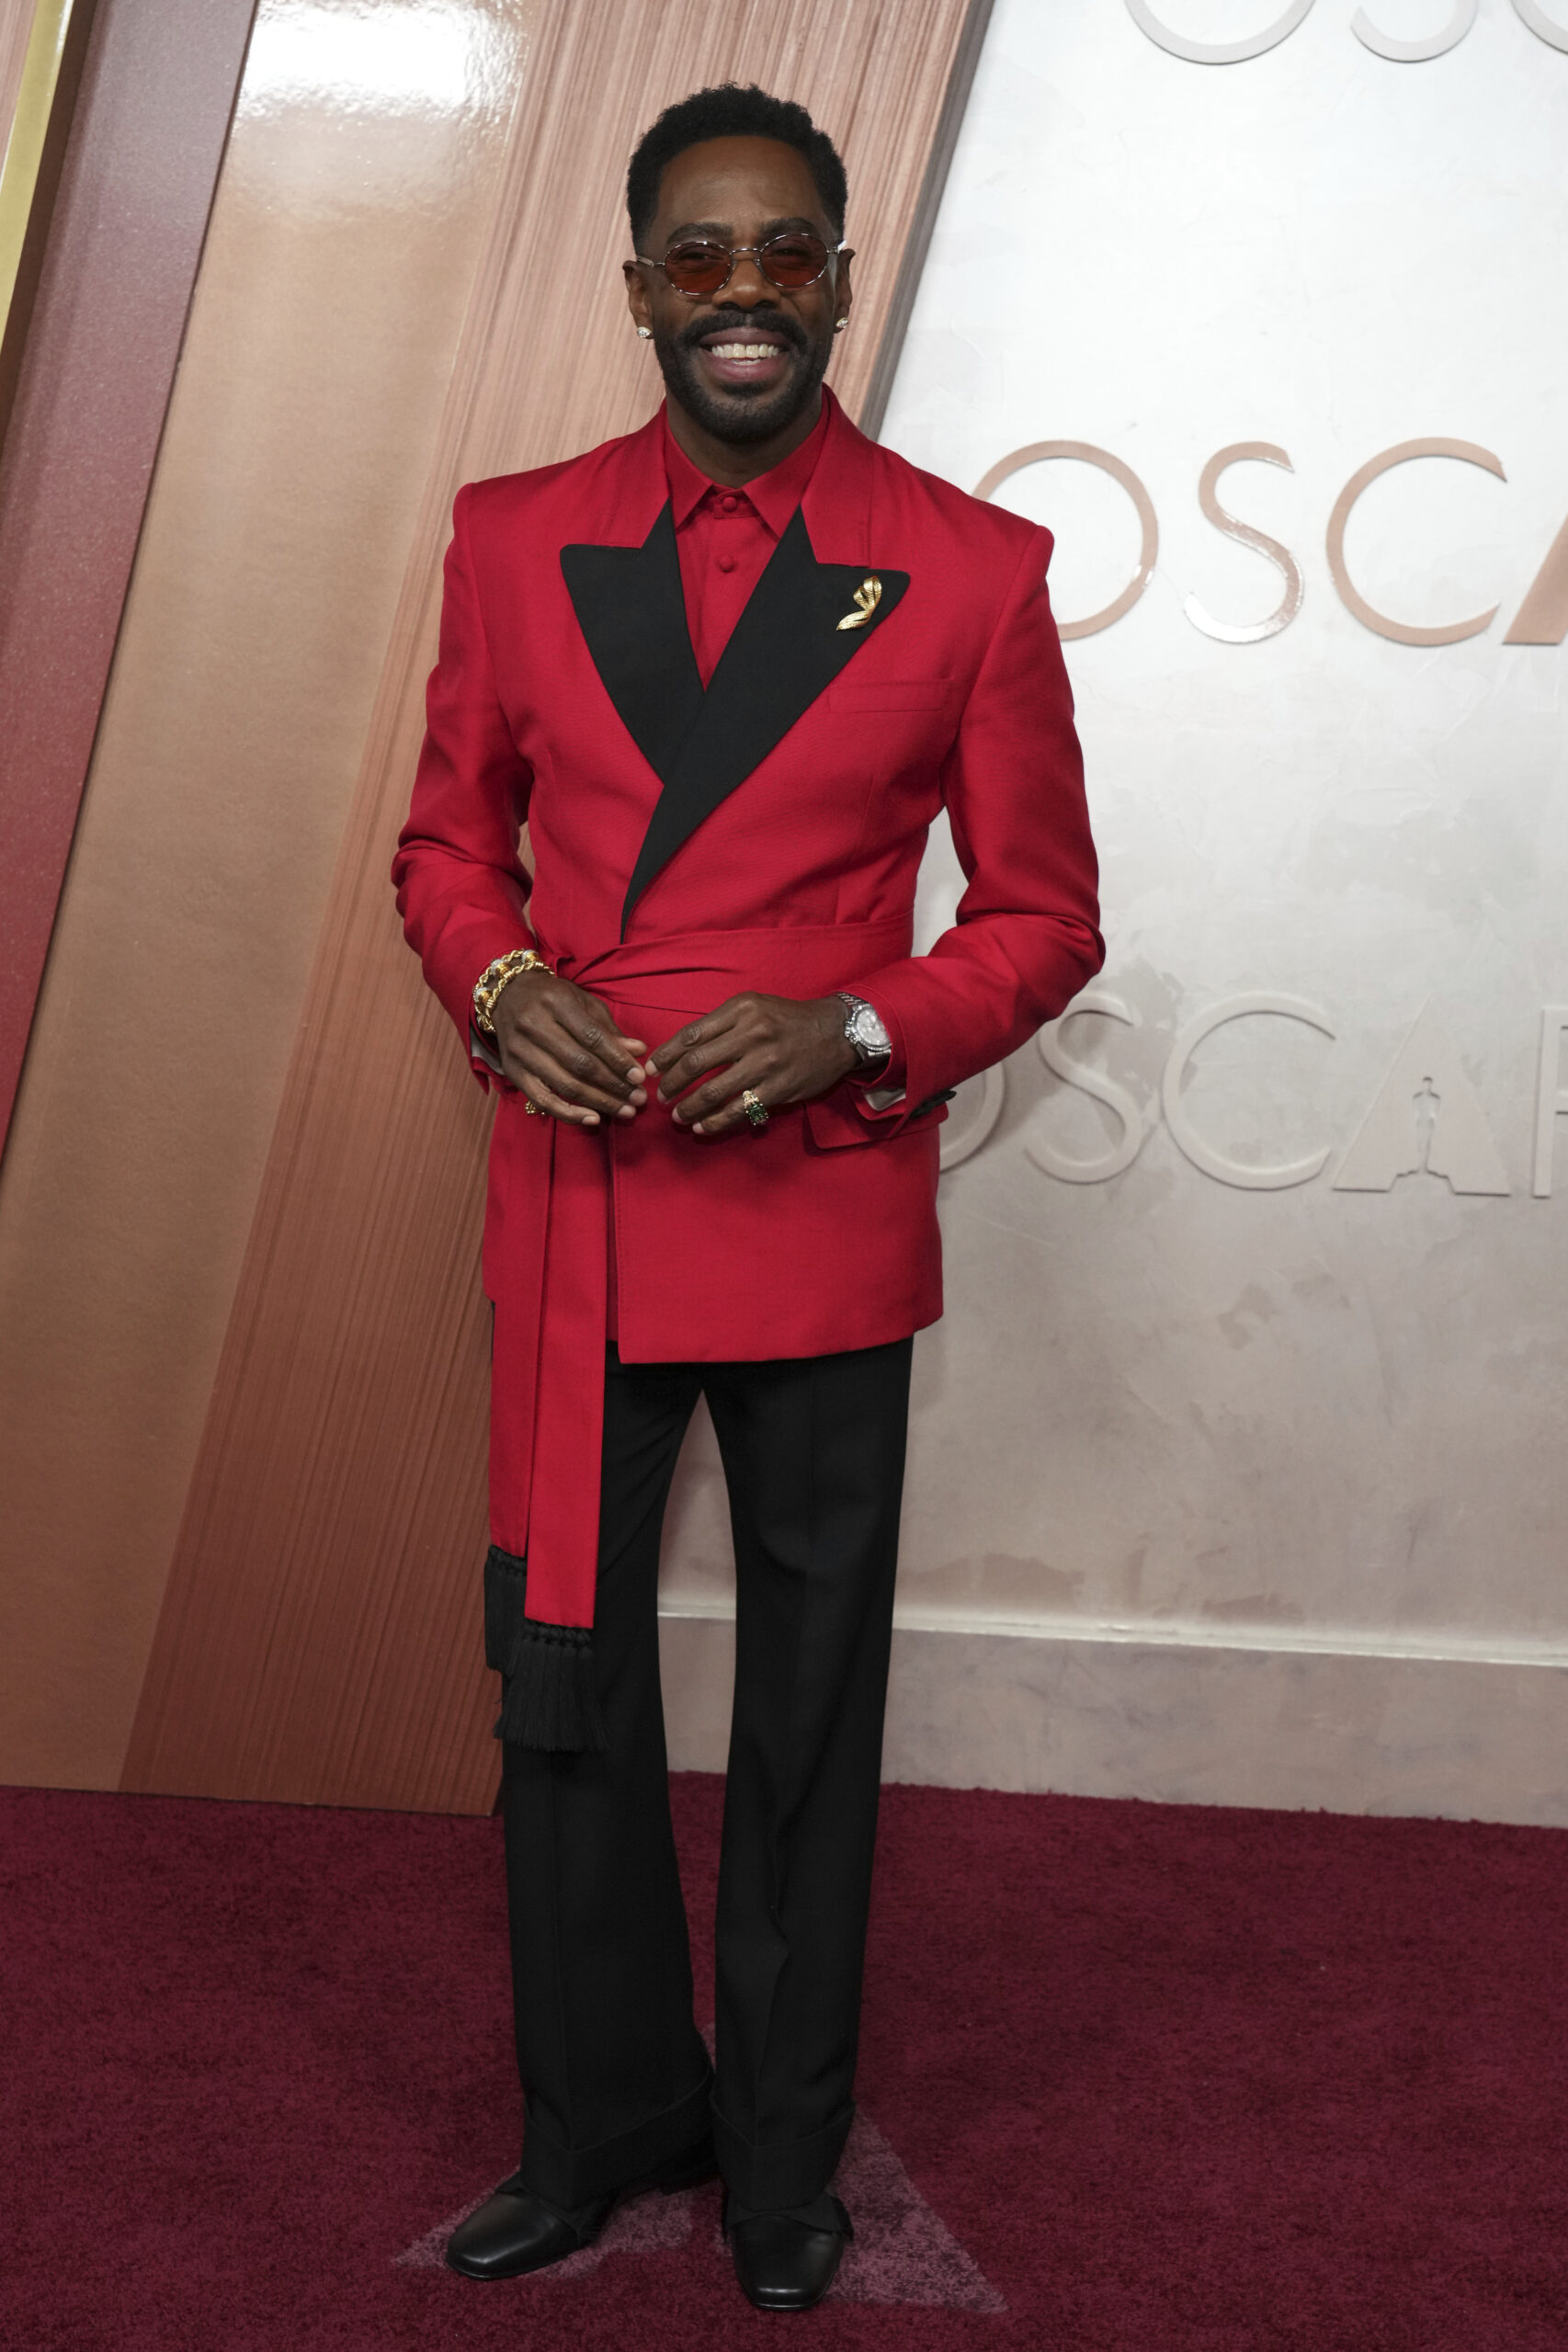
(830, 254)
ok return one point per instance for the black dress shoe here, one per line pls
(787, 2262)
(515, 2230)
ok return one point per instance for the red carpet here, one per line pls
(1135, 2079)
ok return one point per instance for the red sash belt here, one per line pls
(547, 1389)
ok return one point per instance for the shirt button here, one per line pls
(728, 506)
(726, 563)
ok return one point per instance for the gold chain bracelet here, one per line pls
(495, 977)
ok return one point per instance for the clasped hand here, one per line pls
(559, 1048)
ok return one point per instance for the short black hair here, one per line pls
(730, 111)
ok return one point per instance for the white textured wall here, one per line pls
(1175, 1409)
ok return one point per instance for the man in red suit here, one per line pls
(727, 670)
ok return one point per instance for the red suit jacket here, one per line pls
(766, 834)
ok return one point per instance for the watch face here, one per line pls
(866, 1031)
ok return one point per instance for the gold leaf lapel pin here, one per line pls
(868, 597)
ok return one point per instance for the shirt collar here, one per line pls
(775, 495)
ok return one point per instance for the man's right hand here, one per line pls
(559, 1048)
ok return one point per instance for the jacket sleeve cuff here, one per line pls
(484, 1059)
(466, 948)
(881, 1095)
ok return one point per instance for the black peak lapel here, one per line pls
(785, 649)
(632, 610)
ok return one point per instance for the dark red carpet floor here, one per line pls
(1135, 2078)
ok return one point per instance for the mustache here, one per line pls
(777, 324)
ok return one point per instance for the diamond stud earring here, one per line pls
(645, 331)
(839, 325)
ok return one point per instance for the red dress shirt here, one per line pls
(725, 537)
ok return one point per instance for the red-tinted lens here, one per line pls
(697, 268)
(798, 259)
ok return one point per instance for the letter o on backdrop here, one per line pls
(1415, 52)
(1086, 453)
(1219, 52)
(1540, 24)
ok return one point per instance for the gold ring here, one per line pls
(532, 1108)
(755, 1109)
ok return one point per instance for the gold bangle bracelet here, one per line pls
(495, 977)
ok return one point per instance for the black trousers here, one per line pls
(615, 2075)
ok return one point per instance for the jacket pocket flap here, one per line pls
(836, 1122)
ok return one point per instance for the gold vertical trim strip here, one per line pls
(24, 148)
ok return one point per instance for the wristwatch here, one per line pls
(864, 1030)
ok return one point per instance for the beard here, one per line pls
(740, 417)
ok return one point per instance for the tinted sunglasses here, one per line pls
(698, 266)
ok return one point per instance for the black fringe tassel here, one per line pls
(547, 1700)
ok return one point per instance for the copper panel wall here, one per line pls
(238, 1230)
(320, 1634)
(334, 289)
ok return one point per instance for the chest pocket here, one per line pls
(890, 694)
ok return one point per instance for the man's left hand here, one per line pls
(785, 1052)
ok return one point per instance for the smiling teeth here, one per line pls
(744, 350)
